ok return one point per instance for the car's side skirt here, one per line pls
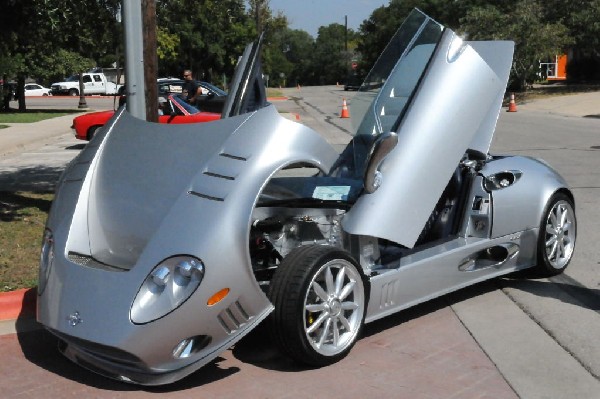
(447, 267)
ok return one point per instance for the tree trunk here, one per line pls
(6, 95)
(150, 59)
(21, 93)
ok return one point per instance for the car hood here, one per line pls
(441, 96)
(134, 176)
(94, 115)
(137, 173)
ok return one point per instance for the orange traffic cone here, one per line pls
(345, 113)
(512, 106)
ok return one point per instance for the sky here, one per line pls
(309, 15)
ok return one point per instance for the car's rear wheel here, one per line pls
(556, 241)
(320, 301)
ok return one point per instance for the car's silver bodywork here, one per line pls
(142, 195)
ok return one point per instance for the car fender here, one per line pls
(519, 205)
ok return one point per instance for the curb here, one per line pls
(18, 304)
(20, 136)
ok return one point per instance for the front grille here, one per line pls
(107, 353)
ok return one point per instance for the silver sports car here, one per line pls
(167, 244)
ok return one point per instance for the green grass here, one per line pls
(22, 219)
(271, 92)
(31, 116)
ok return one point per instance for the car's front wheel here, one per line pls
(320, 301)
(92, 131)
(558, 231)
(73, 92)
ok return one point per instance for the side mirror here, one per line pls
(383, 145)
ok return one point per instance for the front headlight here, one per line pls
(46, 260)
(167, 286)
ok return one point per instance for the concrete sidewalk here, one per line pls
(19, 136)
(580, 105)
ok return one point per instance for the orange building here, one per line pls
(556, 70)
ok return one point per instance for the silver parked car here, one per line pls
(167, 244)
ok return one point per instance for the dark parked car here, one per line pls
(9, 87)
(353, 82)
(212, 99)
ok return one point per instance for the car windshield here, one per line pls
(386, 91)
(190, 109)
(384, 96)
(213, 88)
(72, 78)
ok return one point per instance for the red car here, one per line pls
(174, 110)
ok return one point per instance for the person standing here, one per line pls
(191, 89)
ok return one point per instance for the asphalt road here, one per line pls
(542, 335)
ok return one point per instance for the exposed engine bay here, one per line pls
(275, 231)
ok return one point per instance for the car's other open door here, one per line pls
(441, 96)
(247, 91)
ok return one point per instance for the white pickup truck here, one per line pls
(93, 83)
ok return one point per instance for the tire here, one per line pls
(320, 297)
(92, 131)
(73, 92)
(556, 241)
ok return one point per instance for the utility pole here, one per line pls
(257, 12)
(346, 55)
(260, 7)
(150, 59)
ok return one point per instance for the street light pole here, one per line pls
(134, 58)
(82, 102)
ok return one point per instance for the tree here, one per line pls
(582, 19)
(525, 22)
(167, 45)
(261, 13)
(330, 61)
(274, 60)
(297, 46)
(534, 38)
(207, 36)
(76, 29)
